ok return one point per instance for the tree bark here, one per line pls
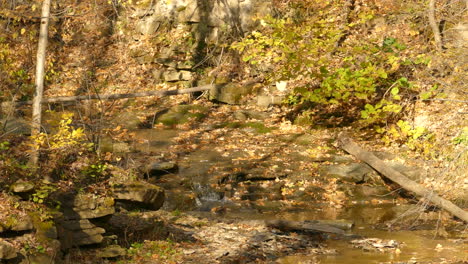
(352, 148)
(434, 26)
(62, 99)
(40, 65)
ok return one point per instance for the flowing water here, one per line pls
(415, 246)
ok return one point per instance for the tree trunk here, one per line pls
(62, 99)
(40, 65)
(352, 148)
(434, 25)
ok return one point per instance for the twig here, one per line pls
(448, 100)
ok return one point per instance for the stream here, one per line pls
(241, 182)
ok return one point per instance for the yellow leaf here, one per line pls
(34, 7)
(23, 30)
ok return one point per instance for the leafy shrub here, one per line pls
(415, 138)
(311, 53)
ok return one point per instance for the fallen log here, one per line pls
(347, 144)
(61, 99)
(288, 226)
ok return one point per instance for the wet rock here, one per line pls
(79, 233)
(160, 168)
(355, 172)
(112, 251)
(86, 206)
(22, 186)
(139, 194)
(231, 93)
(7, 250)
(182, 114)
(180, 200)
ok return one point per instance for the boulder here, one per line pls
(7, 251)
(160, 168)
(230, 93)
(182, 114)
(139, 194)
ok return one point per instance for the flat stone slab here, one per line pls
(145, 194)
(86, 206)
(79, 233)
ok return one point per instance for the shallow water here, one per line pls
(415, 246)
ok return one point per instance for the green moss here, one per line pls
(259, 127)
(182, 114)
(45, 230)
(11, 221)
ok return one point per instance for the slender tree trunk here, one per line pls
(434, 25)
(40, 65)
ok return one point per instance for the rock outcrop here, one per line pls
(74, 227)
(140, 194)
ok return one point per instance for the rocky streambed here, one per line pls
(242, 187)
